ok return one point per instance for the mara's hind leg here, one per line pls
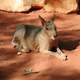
(24, 47)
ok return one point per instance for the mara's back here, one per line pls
(31, 31)
(28, 30)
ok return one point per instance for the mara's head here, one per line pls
(50, 27)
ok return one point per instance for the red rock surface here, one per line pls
(62, 6)
(12, 65)
(20, 5)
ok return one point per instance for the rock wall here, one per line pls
(62, 6)
(20, 5)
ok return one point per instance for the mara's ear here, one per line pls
(53, 18)
(42, 20)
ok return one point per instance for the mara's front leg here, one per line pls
(44, 47)
(62, 55)
(24, 48)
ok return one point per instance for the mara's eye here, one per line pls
(47, 28)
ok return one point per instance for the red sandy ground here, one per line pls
(51, 68)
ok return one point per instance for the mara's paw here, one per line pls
(64, 57)
(19, 53)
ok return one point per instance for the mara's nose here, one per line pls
(55, 35)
